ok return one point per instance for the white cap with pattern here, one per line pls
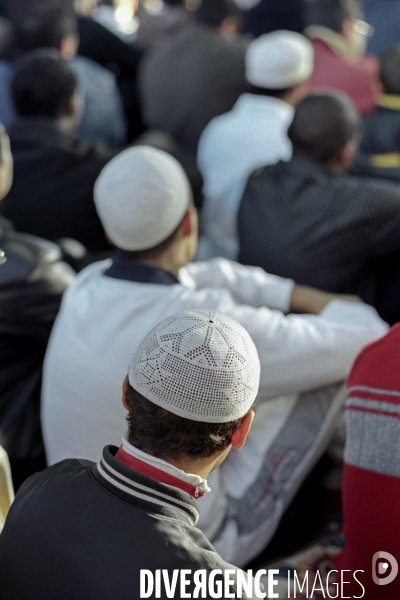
(201, 365)
(141, 196)
(279, 60)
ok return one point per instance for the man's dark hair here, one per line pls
(165, 435)
(156, 250)
(214, 12)
(151, 252)
(322, 125)
(332, 13)
(44, 24)
(43, 84)
(390, 69)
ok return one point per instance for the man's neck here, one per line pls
(161, 264)
(201, 467)
(333, 165)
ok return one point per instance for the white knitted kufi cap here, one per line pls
(279, 60)
(141, 196)
(200, 365)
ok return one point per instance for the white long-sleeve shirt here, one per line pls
(109, 309)
(103, 319)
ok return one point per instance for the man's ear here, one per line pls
(125, 387)
(347, 29)
(70, 108)
(229, 27)
(240, 435)
(109, 240)
(187, 222)
(69, 46)
(346, 154)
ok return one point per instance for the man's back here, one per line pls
(233, 145)
(103, 118)
(381, 133)
(86, 531)
(301, 220)
(52, 192)
(190, 79)
(357, 78)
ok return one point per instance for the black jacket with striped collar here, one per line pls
(83, 531)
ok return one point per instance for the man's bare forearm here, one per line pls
(310, 300)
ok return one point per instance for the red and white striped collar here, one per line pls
(161, 471)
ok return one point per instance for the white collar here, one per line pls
(158, 463)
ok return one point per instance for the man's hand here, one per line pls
(309, 300)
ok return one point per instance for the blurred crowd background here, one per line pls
(284, 115)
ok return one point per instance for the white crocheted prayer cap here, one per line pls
(141, 196)
(200, 365)
(279, 60)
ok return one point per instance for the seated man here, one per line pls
(32, 281)
(380, 141)
(86, 531)
(339, 37)
(251, 135)
(194, 76)
(106, 48)
(52, 24)
(144, 202)
(308, 219)
(371, 485)
(54, 174)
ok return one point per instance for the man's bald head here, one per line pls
(323, 125)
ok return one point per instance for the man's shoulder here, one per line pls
(94, 290)
(97, 154)
(196, 37)
(92, 75)
(216, 130)
(265, 175)
(373, 189)
(94, 271)
(56, 475)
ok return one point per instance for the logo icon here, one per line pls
(384, 563)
